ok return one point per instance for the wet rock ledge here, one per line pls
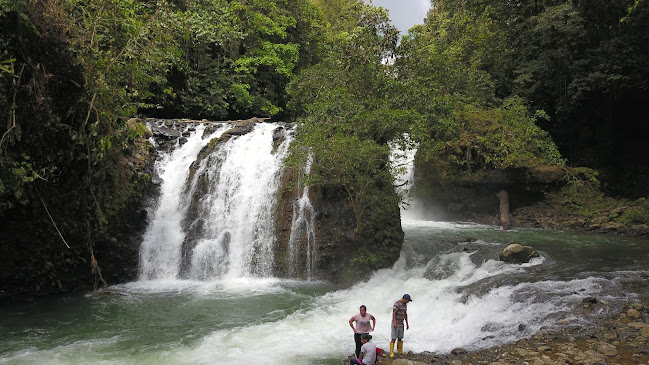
(621, 339)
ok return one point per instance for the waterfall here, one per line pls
(303, 229)
(403, 170)
(216, 212)
(162, 243)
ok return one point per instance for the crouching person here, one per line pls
(368, 352)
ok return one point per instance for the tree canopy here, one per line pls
(481, 86)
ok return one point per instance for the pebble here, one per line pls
(607, 349)
(633, 313)
(637, 325)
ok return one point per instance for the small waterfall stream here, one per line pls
(215, 214)
(403, 167)
(302, 228)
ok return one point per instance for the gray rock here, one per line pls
(607, 349)
(645, 331)
(242, 127)
(637, 325)
(458, 351)
(164, 132)
(518, 254)
(408, 362)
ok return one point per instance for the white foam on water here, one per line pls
(161, 246)
(219, 288)
(441, 225)
(440, 318)
(77, 352)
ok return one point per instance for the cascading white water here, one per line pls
(161, 247)
(303, 229)
(403, 168)
(234, 209)
(464, 297)
(238, 211)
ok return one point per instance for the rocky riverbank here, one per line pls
(555, 212)
(619, 335)
(617, 217)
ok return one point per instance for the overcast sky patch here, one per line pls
(405, 13)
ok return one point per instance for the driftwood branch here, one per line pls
(52, 219)
(97, 271)
(13, 105)
(94, 265)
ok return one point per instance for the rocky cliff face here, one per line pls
(36, 260)
(333, 223)
(117, 251)
(341, 255)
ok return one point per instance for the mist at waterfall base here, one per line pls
(463, 297)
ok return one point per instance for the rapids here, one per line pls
(462, 297)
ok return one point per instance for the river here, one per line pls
(462, 297)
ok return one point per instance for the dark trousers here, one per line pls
(357, 338)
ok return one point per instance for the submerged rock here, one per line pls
(518, 254)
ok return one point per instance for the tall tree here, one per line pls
(76, 73)
(584, 64)
(346, 118)
(236, 57)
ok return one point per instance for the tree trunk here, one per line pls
(503, 197)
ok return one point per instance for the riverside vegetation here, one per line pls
(544, 100)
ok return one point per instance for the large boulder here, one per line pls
(518, 254)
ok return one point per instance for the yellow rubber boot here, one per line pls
(391, 349)
(399, 347)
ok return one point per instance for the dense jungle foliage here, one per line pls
(481, 86)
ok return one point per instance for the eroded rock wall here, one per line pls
(342, 255)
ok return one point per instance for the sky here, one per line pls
(405, 13)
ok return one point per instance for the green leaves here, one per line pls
(345, 112)
(6, 66)
(454, 66)
(236, 57)
(278, 57)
